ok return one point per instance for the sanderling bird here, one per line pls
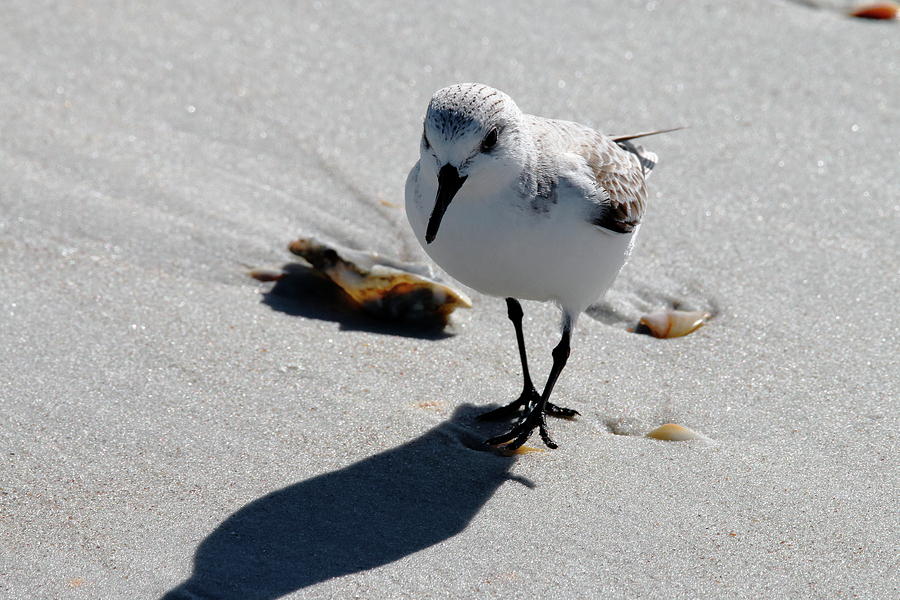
(524, 207)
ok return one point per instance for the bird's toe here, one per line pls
(560, 412)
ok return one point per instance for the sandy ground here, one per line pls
(169, 426)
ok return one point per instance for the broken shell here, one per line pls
(879, 11)
(672, 323)
(503, 449)
(380, 286)
(671, 432)
(518, 451)
(524, 450)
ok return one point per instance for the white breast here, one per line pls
(500, 246)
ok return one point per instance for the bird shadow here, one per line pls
(368, 514)
(301, 291)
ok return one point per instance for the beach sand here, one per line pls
(171, 427)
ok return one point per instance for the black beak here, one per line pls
(449, 183)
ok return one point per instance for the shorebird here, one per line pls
(524, 207)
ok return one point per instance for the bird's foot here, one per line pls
(518, 435)
(529, 398)
(512, 409)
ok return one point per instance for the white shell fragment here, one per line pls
(380, 286)
(670, 432)
(673, 323)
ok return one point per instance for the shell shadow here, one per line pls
(304, 292)
(369, 514)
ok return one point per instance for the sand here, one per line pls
(169, 426)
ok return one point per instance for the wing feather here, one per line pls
(619, 170)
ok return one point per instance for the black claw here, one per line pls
(520, 438)
(512, 409)
(545, 437)
(502, 440)
(515, 437)
(519, 434)
(560, 412)
(523, 437)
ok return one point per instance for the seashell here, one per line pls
(382, 287)
(671, 432)
(672, 323)
(880, 11)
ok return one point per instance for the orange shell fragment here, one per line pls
(878, 11)
(520, 450)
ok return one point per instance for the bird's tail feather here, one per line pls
(634, 136)
(647, 159)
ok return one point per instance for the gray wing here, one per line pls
(619, 171)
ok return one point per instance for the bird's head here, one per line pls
(472, 138)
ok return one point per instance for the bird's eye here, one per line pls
(489, 141)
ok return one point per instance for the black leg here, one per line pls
(534, 416)
(515, 314)
(529, 395)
